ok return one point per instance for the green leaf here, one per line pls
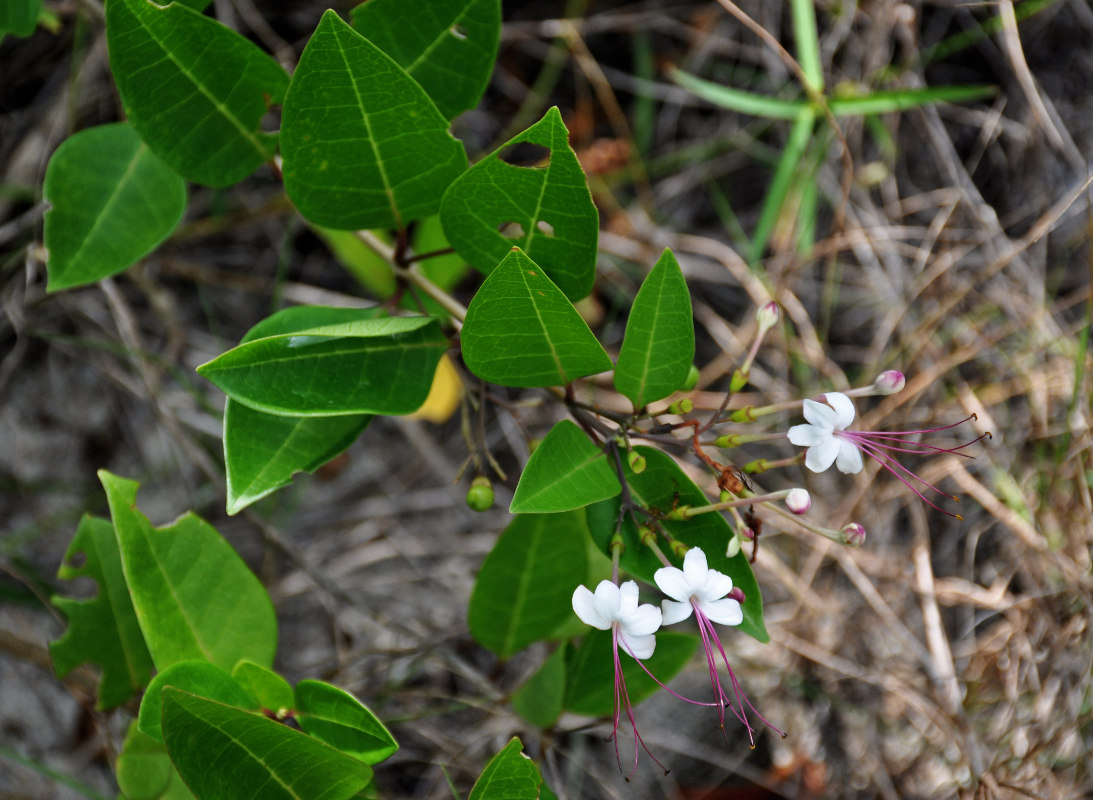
(19, 17)
(520, 330)
(111, 203)
(370, 366)
(196, 677)
(103, 630)
(544, 209)
(269, 689)
(145, 772)
(659, 344)
(448, 46)
(510, 775)
(541, 699)
(883, 102)
(193, 89)
(263, 451)
(591, 671)
(194, 597)
(566, 471)
(524, 589)
(339, 719)
(363, 145)
(224, 753)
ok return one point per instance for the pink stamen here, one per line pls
(622, 697)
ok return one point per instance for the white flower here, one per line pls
(617, 607)
(698, 586)
(821, 436)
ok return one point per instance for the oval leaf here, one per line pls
(523, 591)
(193, 89)
(145, 772)
(659, 344)
(544, 209)
(363, 145)
(271, 691)
(541, 699)
(112, 202)
(339, 719)
(196, 677)
(447, 46)
(224, 753)
(566, 471)
(510, 775)
(371, 366)
(19, 17)
(194, 597)
(521, 330)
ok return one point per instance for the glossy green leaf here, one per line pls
(224, 753)
(263, 451)
(524, 589)
(112, 201)
(19, 17)
(363, 145)
(370, 366)
(193, 89)
(662, 487)
(145, 771)
(339, 719)
(541, 699)
(566, 471)
(544, 208)
(590, 687)
(268, 688)
(521, 330)
(194, 597)
(510, 775)
(196, 677)
(659, 344)
(448, 46)
(104, 629)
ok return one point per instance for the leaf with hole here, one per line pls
(194, 90)
(194, 597)
(263, 451)
(112, 201)
(531, 194)
(659, 344)
(104, 629)
(368, 366)
(521, 330)
(509, 775)
(339, 719)
(224, 753)
(566, 471)
(447, 46)
(523, 590)
(363, 145)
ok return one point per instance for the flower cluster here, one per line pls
(697, 589)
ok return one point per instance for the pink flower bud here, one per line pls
(798, 501)
(889, 382)
(853, 534)
(767, 315)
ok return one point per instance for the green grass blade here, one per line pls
(808, 42)
(784, 175)
(885, 101)
(736, 99)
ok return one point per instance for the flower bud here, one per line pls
(798, 501)
(739, 380)
(480, 495)
(684, 406)
(767, 316)
(636, 462)
(691, 381)
(889, 382)
(853, 534)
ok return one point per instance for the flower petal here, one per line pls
(818, 414)
(695, 568)
(584, 606)
(717, 585)
(844, 409)
(673, 612)
(607, 600)
(644, 620)
(821, 456)
(628, 600)
(724, 612)
(808, 435)
(638, 646)
(673, 583)
(849, 460)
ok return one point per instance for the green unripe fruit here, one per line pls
(480, 495)
(691, 380)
